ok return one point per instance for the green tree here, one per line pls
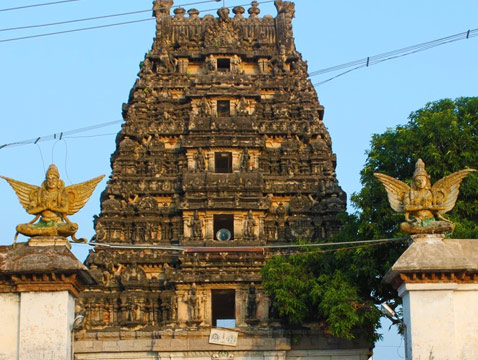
(341, 287)
(444, 135)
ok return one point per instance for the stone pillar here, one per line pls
(437, 280)
(38, 288)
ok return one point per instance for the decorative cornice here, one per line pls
(46, 282)
(427, 277)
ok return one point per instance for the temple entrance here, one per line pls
(223, 303)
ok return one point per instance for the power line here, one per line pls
(75, 30)
(394, 54)
(60, 135)
(357, 64)
(422, 46)
(239, 248)
(105, 26)
(37, 5)
(96, 17)
(75, 20)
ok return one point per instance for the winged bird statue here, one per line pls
(422, 203)
(51, 203)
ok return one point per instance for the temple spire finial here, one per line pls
(162, 6)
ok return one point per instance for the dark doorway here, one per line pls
(223, 108)
(223, 162)
(223, 308)
(223, 64)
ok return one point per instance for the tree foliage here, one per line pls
(340, 288)
(444, 135)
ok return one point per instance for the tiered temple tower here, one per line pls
(223, 150)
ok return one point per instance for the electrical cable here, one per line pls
(89, 136)
(373, 59)
(66, 161)
(239, 248)
(60, 135)
(75, 20)
(75, 30)
(103, 26)
(394, 54)
(95, 17)
(339, 75)
(41, 156)
(37, 5)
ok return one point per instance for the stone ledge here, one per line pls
(194, 344)
(432, 259)
(25, 268)
(49, 241)
(353, 354)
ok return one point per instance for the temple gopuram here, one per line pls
(222, 155)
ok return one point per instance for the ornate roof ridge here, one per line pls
(163, 7)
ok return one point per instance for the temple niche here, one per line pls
(223, 151)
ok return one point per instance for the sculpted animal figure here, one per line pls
(51, 203)
(422, 203)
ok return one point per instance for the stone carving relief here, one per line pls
(222, 32)
(249, 227)
(193, 301)
(281, 187)
(252, 304)
(196, 226)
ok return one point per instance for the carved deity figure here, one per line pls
(199, 158)
(51, 203)
(204, 108)
(223, 14)
(211, 63)
(163, 6)
(242, 107)
(193, 302)
(423, 204)
(251, 302)
(222, 32)
(196, 226)
(245, 160)
(249, 225)
(235, 63)
(286, 7)
(167, 61)
(279, 61)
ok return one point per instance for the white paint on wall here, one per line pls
(9, 317)
(441, 320)
(45, 325)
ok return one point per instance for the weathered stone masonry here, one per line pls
(223, 145)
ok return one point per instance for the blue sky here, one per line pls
(59, 83)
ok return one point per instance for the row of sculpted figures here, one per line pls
(170, 307)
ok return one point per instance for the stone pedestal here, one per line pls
(38, 288)
(438, 281)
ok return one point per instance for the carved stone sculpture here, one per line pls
(423, 204)
(222, 130)
(51, 203)
(192, 300)
(196, 227)
(251, 303)
(249, 226)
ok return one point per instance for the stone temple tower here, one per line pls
(222, 153)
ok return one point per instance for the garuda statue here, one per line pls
(423, 204)
(51, 203)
